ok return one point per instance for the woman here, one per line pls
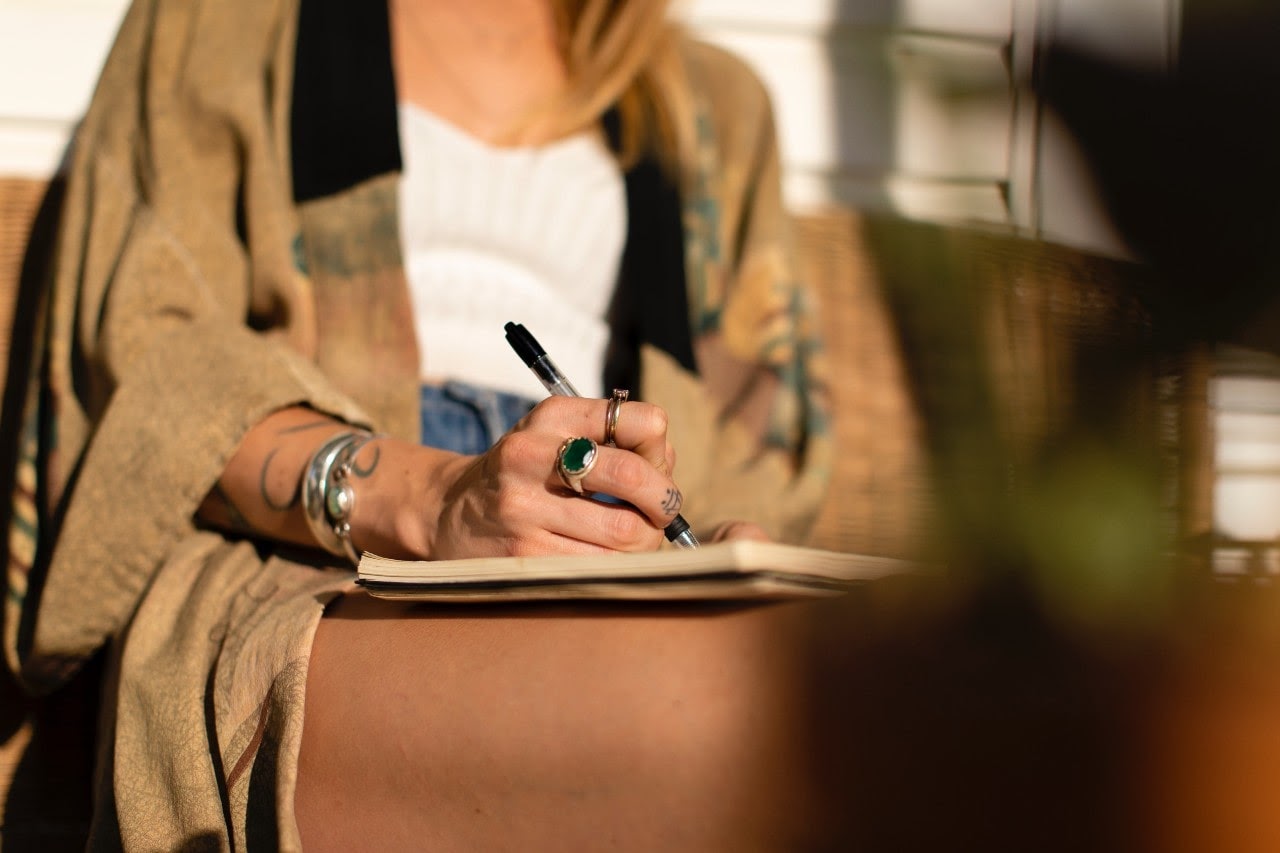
(269, 235)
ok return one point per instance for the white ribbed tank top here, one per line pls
(491, 234)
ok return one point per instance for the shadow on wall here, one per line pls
(862, 103)
(920, 109)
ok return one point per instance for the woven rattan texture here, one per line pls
(878, 497)
(1050, 329)
(46, 746)
(19, 200)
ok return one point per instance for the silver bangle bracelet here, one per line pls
(327, 495)
(340, 496)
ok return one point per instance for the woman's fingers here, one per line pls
(590, 524)
(552, 485)
(588, 468)
(640, 428)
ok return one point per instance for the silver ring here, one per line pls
(619, 397)
(575, 460)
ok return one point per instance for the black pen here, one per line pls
(537, 360)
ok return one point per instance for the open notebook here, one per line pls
(725, 570)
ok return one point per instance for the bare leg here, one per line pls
(533, 728)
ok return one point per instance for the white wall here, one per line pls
(1244, 398)
(905, 105)
(913, 105)
(881, 103)
(50, 54)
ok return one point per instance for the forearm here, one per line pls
(411, 501)
(260, 490)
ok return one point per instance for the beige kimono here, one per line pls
(191, 296)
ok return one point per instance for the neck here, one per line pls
(483, 65)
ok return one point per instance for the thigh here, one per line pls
(534, 727)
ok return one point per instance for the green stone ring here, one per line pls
(576, 459)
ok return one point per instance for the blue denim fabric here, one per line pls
(466, 418)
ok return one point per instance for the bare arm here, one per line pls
(415, 501)
(259, 492)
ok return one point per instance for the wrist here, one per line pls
(328, 496)
(400, 488)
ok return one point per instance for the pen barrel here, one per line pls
(535, 357)
(551, 378)
(685, 540)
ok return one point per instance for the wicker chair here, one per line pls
(1045, 306)
(46, 746)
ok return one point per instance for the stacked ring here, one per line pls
(619, 397)
(575, 460)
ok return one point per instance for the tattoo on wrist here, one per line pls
(367, 470)
(232, 518)
(672, 503)
(303, 427)
(276, 504)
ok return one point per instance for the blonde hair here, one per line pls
(616, 53)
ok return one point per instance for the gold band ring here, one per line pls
(575, 460)
(619, 397)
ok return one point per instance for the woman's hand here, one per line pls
(426, 503)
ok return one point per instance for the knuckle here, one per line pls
(550, 406)
(627, 473)
(513, 447)
(543, 411)
(557, 409)
(656, 419)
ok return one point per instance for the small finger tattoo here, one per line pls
(671, 505)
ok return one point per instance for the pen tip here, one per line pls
(678, 531)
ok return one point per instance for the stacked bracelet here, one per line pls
(327, 496)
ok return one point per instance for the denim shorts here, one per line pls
(466, 418)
